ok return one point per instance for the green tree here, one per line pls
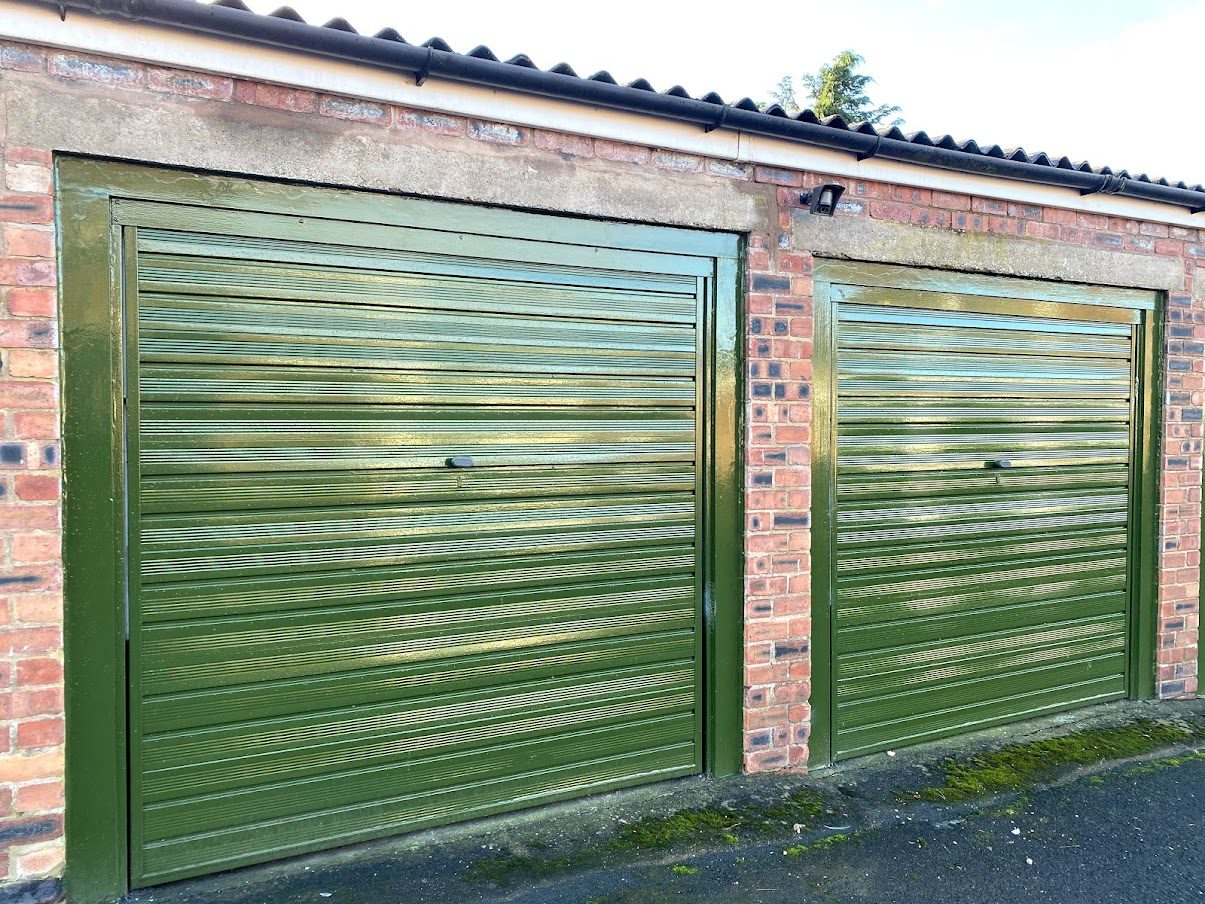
(837, 89)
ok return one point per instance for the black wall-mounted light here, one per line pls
(823, 199)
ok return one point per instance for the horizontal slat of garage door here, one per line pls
(968, 595)
(335, 635)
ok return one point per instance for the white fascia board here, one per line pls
(40, 24)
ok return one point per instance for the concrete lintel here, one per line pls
(257, 141)
(884, 241)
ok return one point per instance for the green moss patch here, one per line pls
(1019, 766)
(708, 825)
(683, 829)
(1169, 763)
(823, 844)
(506, 868)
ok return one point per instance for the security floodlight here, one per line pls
(823, 199)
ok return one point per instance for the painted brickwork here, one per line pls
(779, 347)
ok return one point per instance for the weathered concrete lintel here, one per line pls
(883, 241)
(255, 141)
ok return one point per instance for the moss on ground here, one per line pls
(506, 868)
(695, 827)
(823, 844)
(707, 825)
(1019, 766)
(1168, 763)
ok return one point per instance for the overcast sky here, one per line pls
(1116, 82)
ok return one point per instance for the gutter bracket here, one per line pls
(719, 122)
(874, 149)
(1113, 185)
(422, 74)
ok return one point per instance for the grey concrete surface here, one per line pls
(886, 241)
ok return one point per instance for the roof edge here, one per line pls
(388, 51)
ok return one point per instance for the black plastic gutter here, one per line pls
(423, 62)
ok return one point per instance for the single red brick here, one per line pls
(30, 549)
(36, 487)
(18, 207)
(192, 84)
(571, 145)
(20, 272)
(890, 210)
(1091, 220)
(989, 205)
(33, 516)
(1006, 226)
(39, 671)
(776, 176)
(626, 153)
(94, 69)
(732, 170)
(26, 334)
(356, 110)
(1025, 211)
(35, 425)
(1042, 230)
(440, 123)
(29, 302)
(40, 797)
(278, 97)
(1059, 216)
(44, 608)
(911, 195)
(47, 701)
(42, 862)
(32, 362)
(24, 241)
(28, 155)
(681, 163)
(765, 760)
(36, 733)
(951, 201)
(34, 178)
(30, 640)
(27, 394)
(498, 132)
(22, 58)
(924, 216)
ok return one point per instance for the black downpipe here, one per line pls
(424, 62)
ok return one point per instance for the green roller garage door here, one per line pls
(984, 468)
(415, 524)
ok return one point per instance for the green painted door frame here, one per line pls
(942, 290)
(94, 241)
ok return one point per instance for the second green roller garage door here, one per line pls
(982, 540)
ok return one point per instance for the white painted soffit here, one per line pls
(40, 24)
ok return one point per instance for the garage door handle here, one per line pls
(998, 463)
(460, 461)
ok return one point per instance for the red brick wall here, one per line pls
(779, 350)
(31, 662)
